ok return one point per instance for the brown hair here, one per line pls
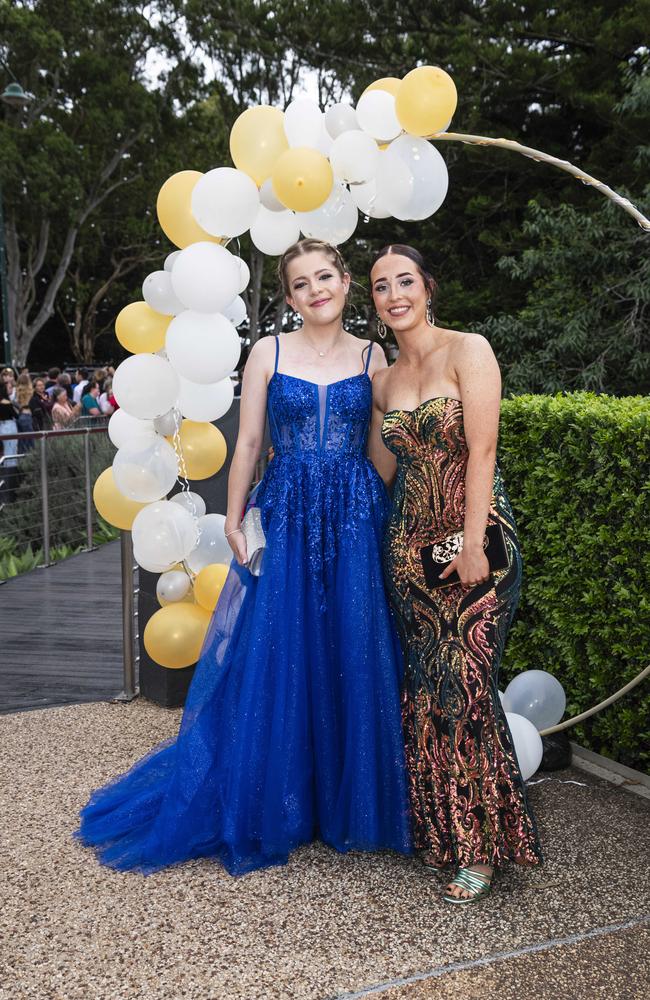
(406, 251)
(302, 247)
(24, 390)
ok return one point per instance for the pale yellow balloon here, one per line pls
(426, 100)
(174, 208)
(173, 636)
(209, 584)
(188, 599)
(113, 506)
(257, 139)
(140, 329)
(302, 179)
(387, 83)
(204, 448)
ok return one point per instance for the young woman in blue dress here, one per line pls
(292, 727)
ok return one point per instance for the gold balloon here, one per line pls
(140, 329)
(209, 584)
(302, 179)
(426, 100)
(257, 139)
(113, 506)
(174, 208)
(204, 448)
(388, 83)
(173, 636)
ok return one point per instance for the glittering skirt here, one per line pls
(467, 796)
(292, 727)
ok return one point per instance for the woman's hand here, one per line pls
(237, 542)
(471, 565)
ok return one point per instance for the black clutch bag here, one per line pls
(436, 558)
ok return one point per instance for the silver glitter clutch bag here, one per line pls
(255, 539)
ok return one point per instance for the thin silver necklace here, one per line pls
(322, 354)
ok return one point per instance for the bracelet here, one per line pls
(233, 532)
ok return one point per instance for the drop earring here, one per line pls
(430, 317)
(381, 328)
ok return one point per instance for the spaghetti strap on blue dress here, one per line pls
(292, 727)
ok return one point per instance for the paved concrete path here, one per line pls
(325, 926)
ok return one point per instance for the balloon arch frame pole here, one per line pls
(554, 161)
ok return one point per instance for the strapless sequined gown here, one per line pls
(467, 797)
(292, 727)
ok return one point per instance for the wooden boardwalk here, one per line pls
(61, 632)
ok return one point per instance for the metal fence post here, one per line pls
(45, 503)
(129, 691)
(89, 498)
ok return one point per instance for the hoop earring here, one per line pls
(430, 317)
(381, 328)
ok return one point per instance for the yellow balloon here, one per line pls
(302, 179)
(426, 100)
(204, 448)
(257, 139)
(188, 599)
(174, 208)
(209, 584)
(113, 506)
(388, 83)
(140, 329)
(173, 636)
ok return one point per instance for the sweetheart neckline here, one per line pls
(319, 385)
(400, 409)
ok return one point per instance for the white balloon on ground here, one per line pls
(269, 199)
(168, 423)
(122, 428)
(527, 743)
(157, 292)
(376, 115)
(212, 546)
(145, 385)
(274, 232)
(334, 221)
(205, 402)
(244, 275)
(225, 201)
(428, 171)
(206, 277)
(340, 118)
(538, 696)
(169, 260)
(303, 121)
(202, 347)
(164, 533)
(236, 312)
(354, 157)
(388, 191)
(172, 586)
(145, 471)
(191, 501)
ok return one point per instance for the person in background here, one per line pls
(52, 376)
(90, 401)
(9, 379)
(107, 403)
(24, 420)
(41, 406)
(65, 382)
(64, 412)
(81, 380)
(8, 414)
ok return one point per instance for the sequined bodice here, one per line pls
(313, 421)
(435, 425)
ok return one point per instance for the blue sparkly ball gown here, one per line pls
(291, 729)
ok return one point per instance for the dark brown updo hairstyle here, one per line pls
(302, 247)
(405, 251)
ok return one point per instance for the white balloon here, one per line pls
(527, 743)
(173, 586)
(145, 471)
(428, 171)
(145, 385)
(244, 275)
(538, 696)
(205, 402)
(376, 115)
(340, 118)
(212, 546)
(122, 428)
(236, 312)
(269, 199)
(191, 501)
(157, 292)
(169, 422)
(354, 157)
(163, 532)
(225, 202)
(202, 347)
(274, 232)
(388, 191)
(206, 277)
(334, 221)
(325, 140)
(303, 122)
(169, 260)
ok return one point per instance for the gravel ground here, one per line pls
(321, 927)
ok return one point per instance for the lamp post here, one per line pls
(15, 97)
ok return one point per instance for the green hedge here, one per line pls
(576, 467)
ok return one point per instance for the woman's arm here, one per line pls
(252, 420)
(383, 460)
